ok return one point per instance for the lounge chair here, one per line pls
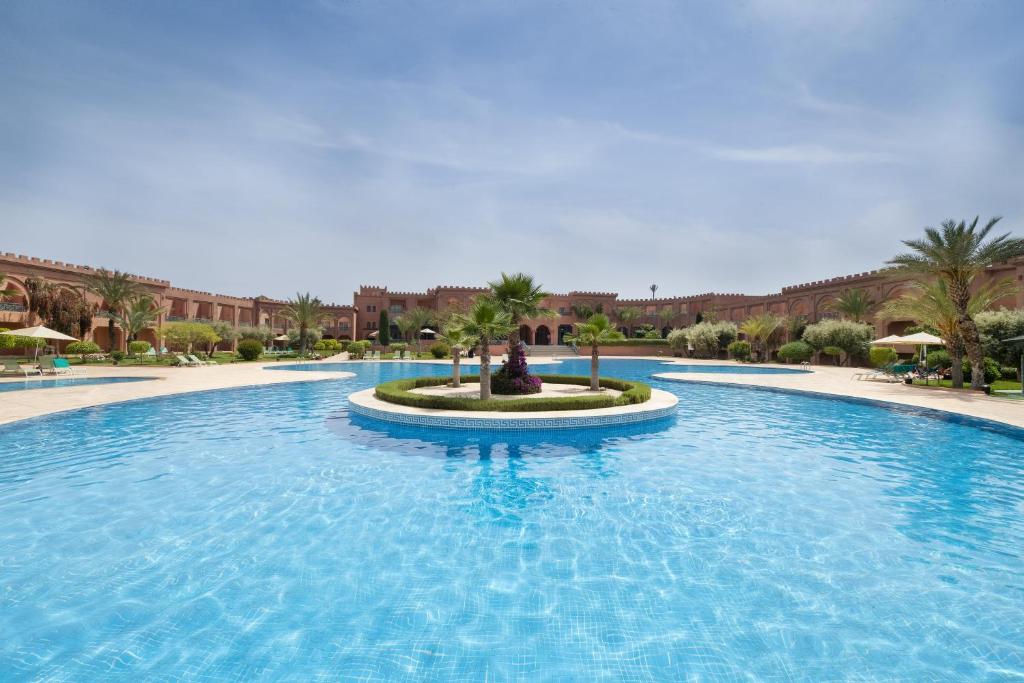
(13, 368)
(46, 365)
(398, 355)
(61, 366)
(185, 362)
(407, 355)
(376, 355)
(199, 361)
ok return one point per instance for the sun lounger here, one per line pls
(407, 355)
(199, 361)
(185, 362)
(13, 368)
(61, 366)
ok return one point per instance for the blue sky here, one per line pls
(268, 147)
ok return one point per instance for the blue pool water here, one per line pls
(264, 534)
(732, 369)
(51, 382)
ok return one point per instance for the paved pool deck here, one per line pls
(18, 405)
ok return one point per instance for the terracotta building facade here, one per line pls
(360, 320)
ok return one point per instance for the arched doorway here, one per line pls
(563, 330)
(543, 336)
(525, 334)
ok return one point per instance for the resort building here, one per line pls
(361, 319)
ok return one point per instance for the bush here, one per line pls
(1009, 373)
(677, 340)
(939, 358)
(83, 348)
(398, 392)
(117, 356)
(331, 344)
(358, 349)
(880, 356)
(439, 350)
(17, 342)
(847, 336)
(138, 347)
(250, 349)
(343, 344)
(740, 350)
(833, 351)
(319, 346)
(994, 326)
(991, 369)
(708, 338)
(796, 352)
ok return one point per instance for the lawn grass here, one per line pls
(998, 385)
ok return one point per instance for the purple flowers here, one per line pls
(514, 376)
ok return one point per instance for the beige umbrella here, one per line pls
(887, 341)
(923, 339)
(39, 332)
(283, 337)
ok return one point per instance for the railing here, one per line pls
(11, 306)
(175, 318)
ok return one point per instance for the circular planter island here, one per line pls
(565, 402)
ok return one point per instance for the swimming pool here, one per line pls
(736, 369)
(757, 534)
(52, 382)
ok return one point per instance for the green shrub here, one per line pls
(439, 350)
(138, 347)
(250, 349)
(343, 344)
(677, 340)
(880, 356)
(320, 346)
(994, 327)
(939, 358)
(708, 338)
(331, 344)
(358, 349)
(383, 328)
(849, 337)
(399, 392)
(117, 356)
(796, 352)
(991, 369)
(83, 348)
(1009, 373)
(739, 350)
(18, 342)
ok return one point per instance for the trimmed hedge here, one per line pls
(637, 342)
(399, 392)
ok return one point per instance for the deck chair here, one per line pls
(184, 362)
(198, 361)
(61, 366)
(13, 368)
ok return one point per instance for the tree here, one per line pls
(627, 316)
(596, 331)
(677, 340)
(116, 289)
(459, 341)
(852, 338)
(956, 254)
(485, 322)
(759, 330)
(60, 307)
(852, 304)
(417, 318)
(666, 315)
(225, 332)
(185, 335)
(520, 298)
(137, 314)
(307, 312)
(930, 304)
(707, 338)
(383, 328)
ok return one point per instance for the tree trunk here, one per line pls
(302, 340)
(961, 296)
(956, 371)
(485, 369)
(110, 335)
(456, 370)
(594, 384)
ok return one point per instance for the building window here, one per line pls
(396, 309)
(562, 310)
(370, 309)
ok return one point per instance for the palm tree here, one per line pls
(627, 316)
(139, 313)
(852, 304)
(931, 305)
(485, 322)
(666, 315)
(417, 318)
(956, 254)
(307, 312)
(405, 325)
(520, 297)
(459, 341)
(596, 331)
(759, 331)
(116, 289)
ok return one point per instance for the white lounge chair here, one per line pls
(185, 362)
(13, 368)
(407, 355)
(198, 361)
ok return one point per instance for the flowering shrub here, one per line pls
(514, 377)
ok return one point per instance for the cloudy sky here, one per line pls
(268, 147)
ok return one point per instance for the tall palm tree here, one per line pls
(139, 313)
(852, 304)
(405, 325)
(307, 312)
(956, 254)
(418, 318)
(459, 341)
(627, 316)
(485, 322)
(116, 289)
(521, 298)
(759, 330)
(596, 331)
(931, 305)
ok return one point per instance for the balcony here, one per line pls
(176, 318)
(12, 307)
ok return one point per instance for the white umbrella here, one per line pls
(283, 337)
(39, 332)
(886, 341)
(372, 335)
(924, 339)
(427, 330)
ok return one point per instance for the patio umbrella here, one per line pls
(39, 332)
(888, 341)
(283, 337)
(372, 335)
(1018, 340)
(924, 339)
(427, 330)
